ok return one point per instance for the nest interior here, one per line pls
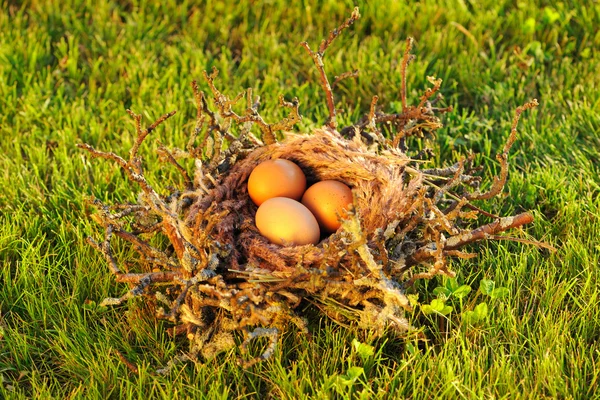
(381, 190)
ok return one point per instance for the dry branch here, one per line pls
(317, 57)
(426, 253)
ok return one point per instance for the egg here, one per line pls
(286, 221)
(276, 178)
(328, 201)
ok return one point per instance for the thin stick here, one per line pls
(500, 181)
(484, 232)
(318, 60)
(336, 32)
(199, 119)
(131, 366)
(104, 248)
(154, 277)
(411, 113)
(317, 57)
(437, 84)
(372, 125)
(142, 133)
(168, 156)
(134, 173)
(349, 74)
(405, 61)
(251, 115)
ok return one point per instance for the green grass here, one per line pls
(68, 71)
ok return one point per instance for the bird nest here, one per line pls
(216, 274)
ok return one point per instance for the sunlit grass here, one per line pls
(68, 71)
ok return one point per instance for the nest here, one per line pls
(215, 274)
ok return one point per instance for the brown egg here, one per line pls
(276, 178)
(286, 221)
(328, 201)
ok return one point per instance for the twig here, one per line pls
(272, 334)
(484, 232)
(437, 84)
(153, 277)
(318, 60)
(348, 74)
(165, 154)
(412, 113)
(317, 57)
(200, 107)
(142, 133)
(406, 59)
(104, 248)
(500, 181)
(336, 32)
(130, 366)
(251, 115)
(372, 124)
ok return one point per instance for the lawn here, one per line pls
(70, 69)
